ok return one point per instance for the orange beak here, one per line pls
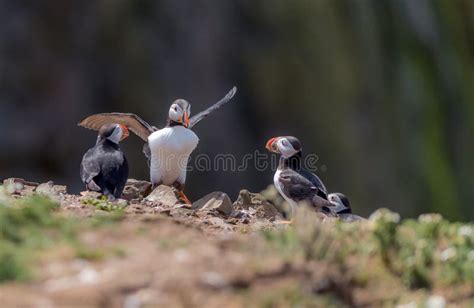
(186, 119)
(125, 132)
(269, 146)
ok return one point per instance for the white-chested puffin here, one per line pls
(168, 149)
(104, 168)
(294, 183)
(343, 207)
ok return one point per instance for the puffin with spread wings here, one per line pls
(167, 149)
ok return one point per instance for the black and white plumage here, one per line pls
(294, 183)
(167, 149)
(342, 207)
(104, 167)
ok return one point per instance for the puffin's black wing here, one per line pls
(133, 122)
(104, 168)
(90, 168)
(316, 181)
(299, 188)
(198, 117)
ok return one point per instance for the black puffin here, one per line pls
(104, 168)
(294, 183)
(342, 207)
(167, 149)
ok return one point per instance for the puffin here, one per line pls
(104, 167)
(167, 149)
(343, 207)
(294, 183)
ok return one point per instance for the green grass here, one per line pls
(95, 254)
(429, 253)
(104, 204)
(402, 257)
(29, 225)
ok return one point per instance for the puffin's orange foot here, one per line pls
(183, 197)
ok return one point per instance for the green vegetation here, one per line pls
(31, 224)
(104, 204)
(25, 226)
(93, 254)
(428, 253)
(384, 261)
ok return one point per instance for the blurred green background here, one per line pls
(382, 91)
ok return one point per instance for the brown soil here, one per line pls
(164, 255)
(158, 255)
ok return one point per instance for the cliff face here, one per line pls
(380, 91)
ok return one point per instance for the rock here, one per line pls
(91, 194)
(14, 185)
(273, 196)
(19, 186)
(215, 201)
(436, 301)
(135, 189)
(166, 195)
(50, 189)
(214, 280)
(19, 180)
(219, 223)
(256, 203)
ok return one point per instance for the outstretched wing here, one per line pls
(133, 122)
(198, 117)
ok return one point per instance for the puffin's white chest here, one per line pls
(278, 185)
(170, 149)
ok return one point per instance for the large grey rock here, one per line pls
(166, 195)
(135, 189)
(256, 204)
(215, 201)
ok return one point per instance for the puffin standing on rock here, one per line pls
(167, 149)
(343, 207)
(104, 168)
(294, 183)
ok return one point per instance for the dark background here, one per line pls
(382, 91)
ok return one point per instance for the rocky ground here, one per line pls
(150, 250)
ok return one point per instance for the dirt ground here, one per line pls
(159, 254)
(162, 254)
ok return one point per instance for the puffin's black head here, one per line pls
(113, 132)
(180, 111)
(340, 201)
(287, 146)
